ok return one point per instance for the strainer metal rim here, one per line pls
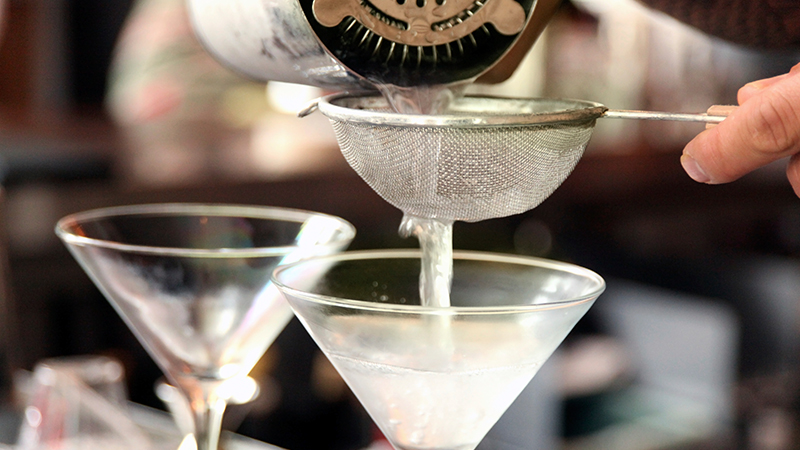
(574, 112)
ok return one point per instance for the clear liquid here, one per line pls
(433, 409)
(422, 99)
(436, 242)
(435, 236)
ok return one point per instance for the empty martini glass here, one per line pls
(437, 377)
(193, 283)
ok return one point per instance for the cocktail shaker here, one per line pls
(356, 44)
(268, 40)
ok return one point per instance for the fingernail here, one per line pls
(693, 169)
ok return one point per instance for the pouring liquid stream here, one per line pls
(436, 276)
(435, 236)
(436, 242)
(422, 99)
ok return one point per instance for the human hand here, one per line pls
(764, 128)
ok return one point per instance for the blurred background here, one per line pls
(695, 344)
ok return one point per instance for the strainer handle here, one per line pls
(714, 115)
(309, 109)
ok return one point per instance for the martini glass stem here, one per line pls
(207, 408)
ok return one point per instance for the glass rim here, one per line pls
(463, 255)
(277, 213)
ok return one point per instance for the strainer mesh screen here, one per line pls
(463, 173)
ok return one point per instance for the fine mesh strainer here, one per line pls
(487, 157)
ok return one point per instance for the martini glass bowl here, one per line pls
(437, 377)
(193, 283)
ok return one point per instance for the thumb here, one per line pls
(765, 128)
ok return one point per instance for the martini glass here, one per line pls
(193, 284)
(437, 377)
